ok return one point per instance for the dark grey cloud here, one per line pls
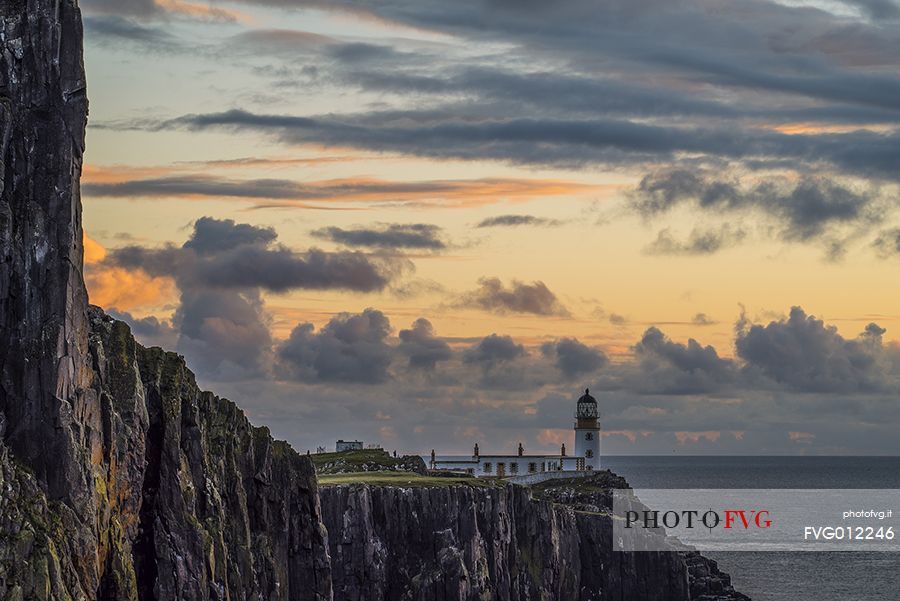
(518, 297)
(493, 350)
(422, 346)
(702, 319)
(731, 46)
(806, 209)
(561, 142)
(221, 270)
(420, 236)
(701, 241)
(204, 185)
(223, 254)
(804, 354)
(213, 236)
(351, 348)
(224, 333)
(517, 220)
(574, 358)
(674, 368)
(281, 269)
(347, 190)
(294, 44)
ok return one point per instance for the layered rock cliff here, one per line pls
(501, 543)
(121, 479)
(465, 543)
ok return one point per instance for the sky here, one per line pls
(426, 224)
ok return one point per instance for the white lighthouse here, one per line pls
(587, 431)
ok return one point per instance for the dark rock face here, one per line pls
(43, 341)
(210, 507)
(49, 416)
(469, 543)
(499, 544)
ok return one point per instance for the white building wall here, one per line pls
(489, 465)
(587, 445)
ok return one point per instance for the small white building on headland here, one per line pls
(348, 445)
(586, 457)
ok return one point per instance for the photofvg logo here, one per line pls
(693, 518)
(754, 520)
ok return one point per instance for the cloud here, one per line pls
(805, 209)
(618, 320)
(494, 350)
(212, 236)
(517, 220)
(159, 9)
(547, 141)
(124, 289)
(804, 354)
(220, 273)
(702, 319)
(423, 348)
(878, 9)
(273, 192)
(223, 254)
(700, 241)
(143, 8)
(224, 333)
(420, 236)
(535, 298)
(573, 358)
(887, 244)
(119, 30)
(350, 348)
(674, 368)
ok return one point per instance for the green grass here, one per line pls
(363, 456)
(366, 460)
(406, 479)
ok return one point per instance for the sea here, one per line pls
(784, 576)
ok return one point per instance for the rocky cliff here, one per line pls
(121, 479)
(501, 543)
(466, 543)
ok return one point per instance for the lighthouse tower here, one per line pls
(587, 431)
